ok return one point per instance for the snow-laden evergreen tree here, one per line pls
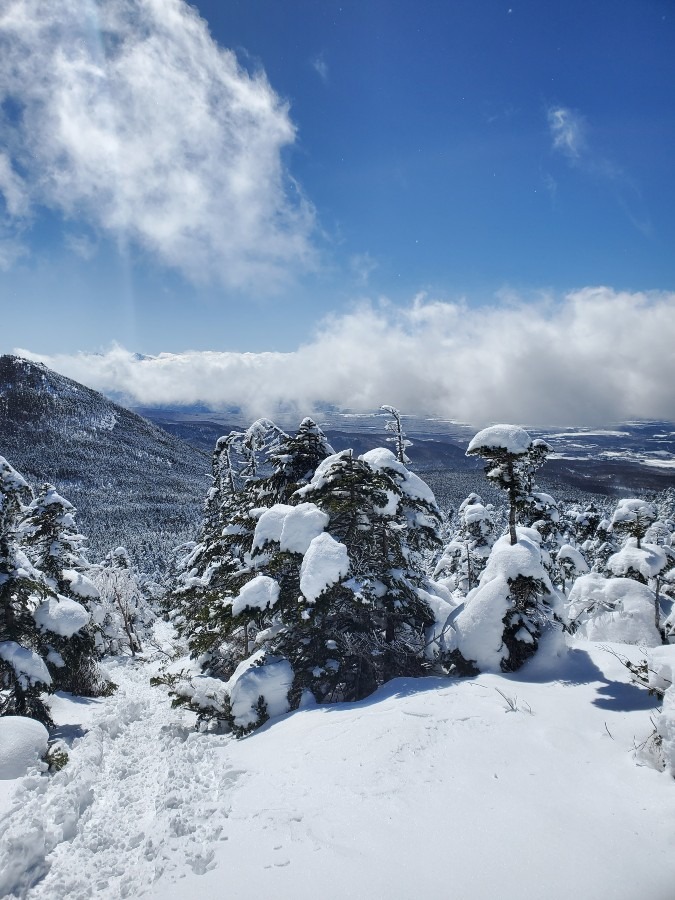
(336, 590)
(512, 458)
(294, 460)
(585, 524)
(23, 670)
(55, 547)
(633, 517)
(639, 559)
(502, 621)
(465, 555)
(602, 546)
(362, 611)
(569, 565)
(213, 570)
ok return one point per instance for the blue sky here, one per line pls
(225, 178)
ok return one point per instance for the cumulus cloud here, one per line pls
(127, 115)
(593, 357)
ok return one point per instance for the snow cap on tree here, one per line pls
(509, 438)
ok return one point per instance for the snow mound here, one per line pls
(80, 584)
(22, 744)
(29, 667)
(271, 681)
(262, 592)
(325, 563)
(510, 438)
(293, 527)
(613, 609)
(63, 616)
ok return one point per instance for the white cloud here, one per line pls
(134, 120)
(12, 189)
(595, 356)
(567, 131)
(320, 66)
(362, 266)
(81, 245)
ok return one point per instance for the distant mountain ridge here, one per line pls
(129, 480)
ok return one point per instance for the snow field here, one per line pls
(521, 787)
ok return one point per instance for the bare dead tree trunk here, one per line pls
(468, 567)
(512, 506)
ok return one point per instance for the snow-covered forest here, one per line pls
(159, 729)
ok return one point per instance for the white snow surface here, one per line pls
(29, 667)
(261, 592)
(61, 616)
(325, 563)
(511, 438)
(430, 788)
(22, 744)
(81, 585)
(613, 609)
(293, 527)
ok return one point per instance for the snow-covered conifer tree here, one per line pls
(362, 614)
(512, 458)
(503, 619)
(23, 670)
(294, 461)
(56, 549)
(465, 555)
(633, 517)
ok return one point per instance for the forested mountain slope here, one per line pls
(130, 481)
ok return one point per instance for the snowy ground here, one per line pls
(430, 787)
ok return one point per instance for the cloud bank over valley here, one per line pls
(595, 356)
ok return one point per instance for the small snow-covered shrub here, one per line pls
(504, 617)
(612, 609)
